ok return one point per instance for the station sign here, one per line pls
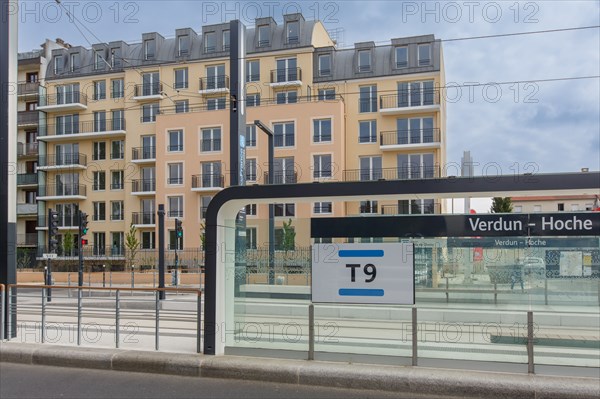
(363, 273)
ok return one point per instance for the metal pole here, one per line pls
(69, 285)
(495, 294)
(414, 337)
(132, 278)
(271, 215)
(79, 300)
(2, 311)
(447, 294)
(103, 276)
(161, 249)
(43, 326)
(80, 246)
(49, 281)
(8, 313)
(117, 314)
(311, 332)
(546, 290)
(156, 319)
(530, 363)
(199, 323)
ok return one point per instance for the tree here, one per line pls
(67, 243)
(132, 244)
(501, 205)
(289, 236)
(202, 236)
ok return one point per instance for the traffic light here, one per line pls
(178, 228)
(52, 231)
(83, 223)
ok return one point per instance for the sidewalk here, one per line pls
(418, 380)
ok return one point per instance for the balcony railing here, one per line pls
(143, 185)
(412, 136)
(414, 208)
(214, 82)
(28, 118)
(27, 239)
(24, 179)
(27, 149)
(143, 153)
(283, 75)
(62, 190)
(26, 209)
(148, 89)
(143, 218)
(97, 126)
(414, 98)
(367, 104)
(175, 214)
(290, 177)
(73, 97)
(66, 159)
(399, 173)
(211, 180)
(28, 88)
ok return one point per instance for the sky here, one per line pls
(526, 127)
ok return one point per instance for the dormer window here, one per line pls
(98, 60)
(293, 32)
(149, 49)
(401, 57)
(74, 62)
(226, 40)
(325, 65)
(264, 36)
(210, 42)
(364, 61)
(115, 57)
(58, 64)
(183, 45)
(424, 54)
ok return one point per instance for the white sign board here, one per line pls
(571, 263)
(49, 256)
(363, 273)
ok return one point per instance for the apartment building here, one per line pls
(124, 127)
(556, 203)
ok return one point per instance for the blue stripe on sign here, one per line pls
(360, 292)
(360, 253)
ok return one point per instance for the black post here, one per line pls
(80, 246)
(48, 274)
(103, 276)
(161, 250)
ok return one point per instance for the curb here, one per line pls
(418, 380)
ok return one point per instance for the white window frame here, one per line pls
(179, 178)
(214, 137)
(396, 62)
(424, 61)
(364, 68)
(178, 134)
(320, 166)
(317, 136)
(326, 72)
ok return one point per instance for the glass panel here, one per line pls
(402, 126)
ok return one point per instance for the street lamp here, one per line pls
(271, 161)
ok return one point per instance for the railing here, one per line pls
(66, 159)
(405, 98)
(208, 181)
(26, 209)
(367, 104)
(26, 179)
(283, 75)
(142, 153)
(98, 126)
(414, 208)
(412, 136)
(62, 190)
(28, 118)
(175, 214)
(74, 97)
(26, 88)
(148, 89)
(27, 239)
(27, 149)
(399, 173)
(143, 218)
(175, 180)
(282, 177)
(143, 185)
(214, 82)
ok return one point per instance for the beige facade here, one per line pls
(564, 203)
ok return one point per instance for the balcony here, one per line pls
(405, 102)
(105, 128)
(415, 139)
(414, 208)
(27, 150)
(214, 85)
(143, 154)
(69, 161)
(143, 187)
(208, 182)
(286, 77)
(28, 118)
(27, 239)
(27, 179)
(290, 177)
(148, 92)
(28, 90)
(399, 173)
(62, 192)
(69, 101)
(143, 219)
(26, 209)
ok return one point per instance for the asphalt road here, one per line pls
(26, 381)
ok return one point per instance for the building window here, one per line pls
(368, 98)
(99, 244)
(370, 168)
(424, 54)
(100, 90)
(322, 130)
(148, 240)
(251, 210)
(251, 238)
(118, 119)
(99, 181)
(204, 201)
(149, 112)
(287, 70)
(116, 179)
(182, 106)
(251, 169)
(264, 36)
(115, 57)
(99, 153)
(226, 40)
(537, 208)
(401, 57)
(250, 135)
(211, 174)
(183, 45)
(117, 150)
(75, 64)
(589, 207)
(287, 97)
(211, 140)
(100, 121)
(149, 49)
(368, 207)
(322, 166)
(416, 166)
(175, 206)
(175, 173)
(367, 131)
(364, 61)
(214, 104)
(518, 209)
(117, 211)
(414, 131)
(58, 64)
(561, 207)
(175, 141)
(150, 84)
(210, 42)
(181, 78)
(253, 100)
(285, 210)
(293, 32)
(253, 71)
(415, 94)
(99, 211)
(174, 241)
(284, 134)
(322, 207)
(325, 65)
(117, 248)
(118, 88)
(414, 207)
(326, 94)
(98, 60)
